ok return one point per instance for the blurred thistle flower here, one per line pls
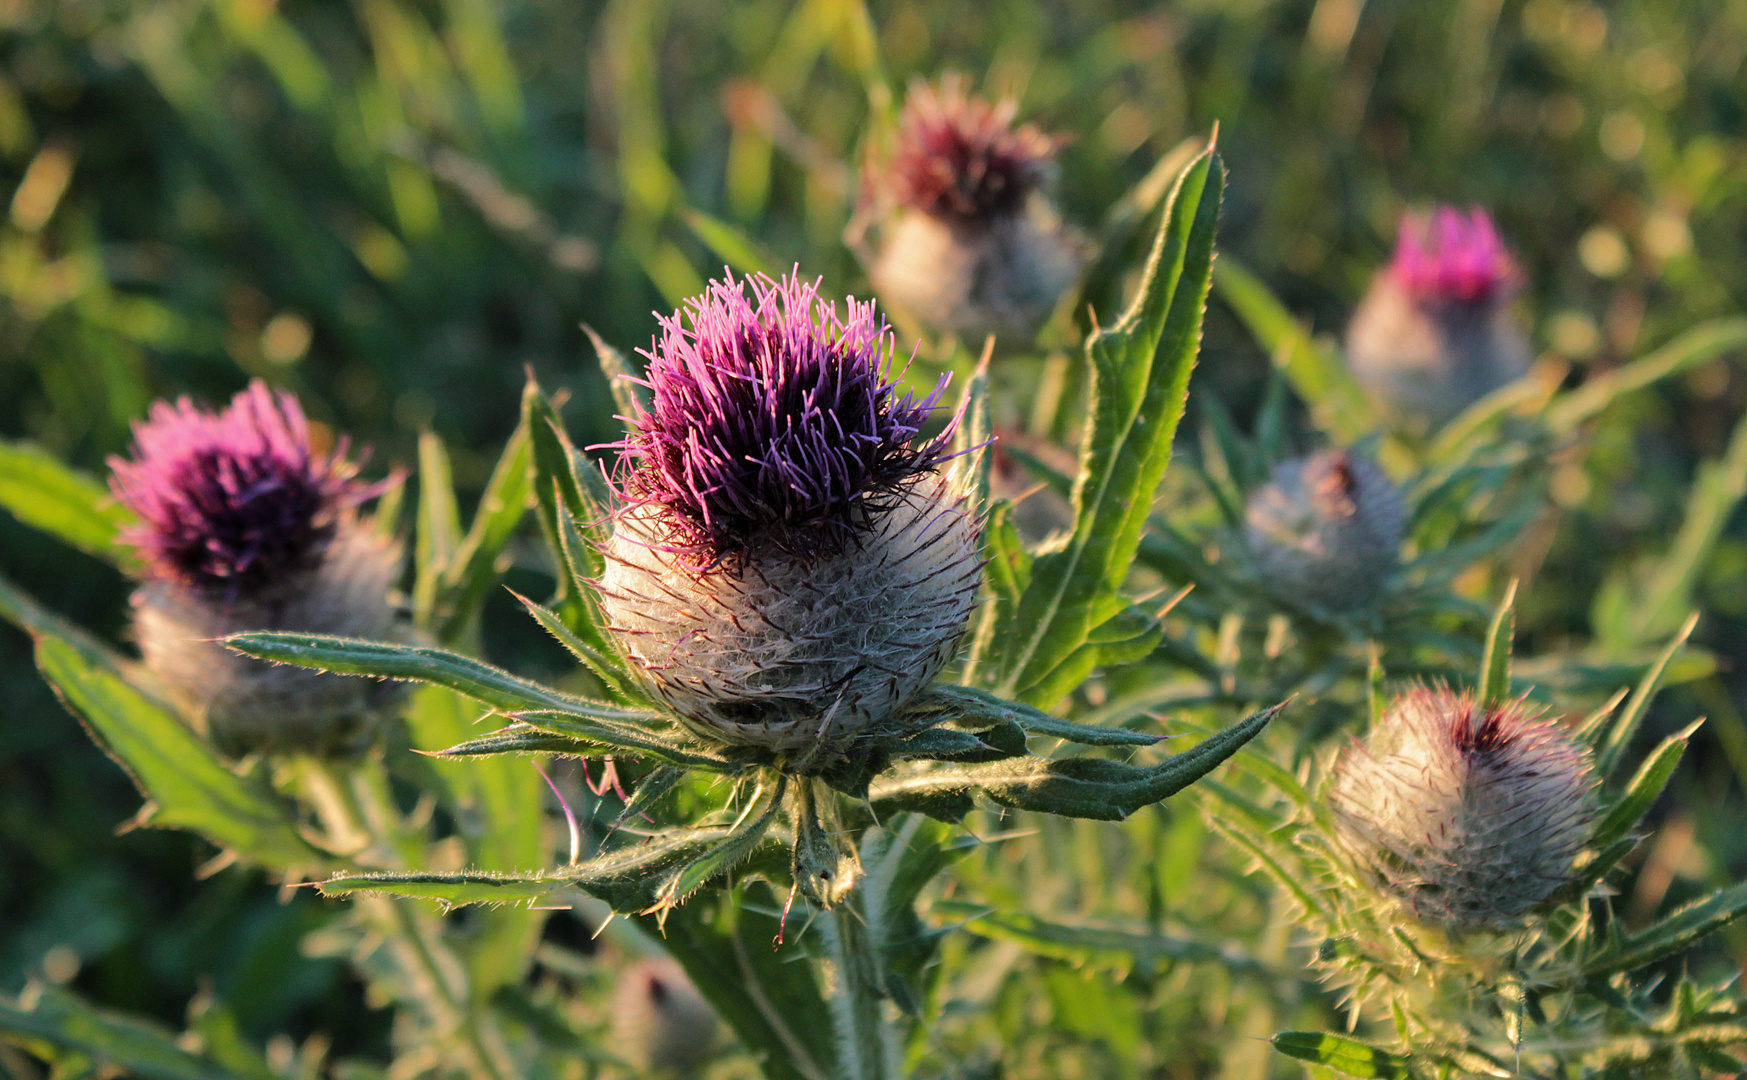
(661, 1024)
(789, 564)
(245, 526)
(1471, 815)
(1434, 333)
(969, 242)
(1326, 531)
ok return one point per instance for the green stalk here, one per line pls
(864, 1039)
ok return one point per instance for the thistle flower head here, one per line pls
(962, 158)
(246, 526)
(789, 566)
(1448, 256)
(1470, 814)
(771, 418)
(1326, 530)
(232, 501)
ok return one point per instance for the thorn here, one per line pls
(783, 923)
(1213, 137)
(569, 815)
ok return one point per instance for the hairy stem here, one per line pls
(865, 1044)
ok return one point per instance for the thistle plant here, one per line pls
(1434, 333)
(243, 525)
(1326, 531)
(969, 243)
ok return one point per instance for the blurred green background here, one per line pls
(396, 208)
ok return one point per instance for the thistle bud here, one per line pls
(1434, 333)
(1326, 531)
(1470, 814)
(789, 564)
(970, 244)
(245, 526)
(661, 1024)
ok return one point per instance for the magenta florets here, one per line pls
(232, 501)
(960, 157)
(1452, 256)
(771, 416)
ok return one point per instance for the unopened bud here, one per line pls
(1472, 815)
(1326, 531)
(661, 1024)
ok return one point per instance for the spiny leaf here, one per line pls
(1696, 346)
(480, 681)
(1349, 1057)
(1615, 736)
(1071, 787)
(1672, 934)
(1495, 661)
(975, 708)
(1644, 789)
(473, 568)
(1140, 376)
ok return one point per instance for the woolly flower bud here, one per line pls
(1434, 334)
(970, 244)
(661, 1024)
(1471, 815)
(788, 567)
(1326, 531)
(244, 526)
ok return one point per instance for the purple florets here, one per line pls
(960, 157)
(232, 501)
(1452, 256)
(771, 418)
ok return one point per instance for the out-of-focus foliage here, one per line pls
(396, 208)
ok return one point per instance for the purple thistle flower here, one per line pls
(232, 501)
(1434, 333)
(960, 157)
(1472, 815)
(246, 526)
(969, 243)
(771, 418)
(789, 567)
(1451, 257)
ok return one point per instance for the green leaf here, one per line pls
(628, 393)
(1139, 383)
(1071, 787)
(733, 848)
(439, 527)
(1644, 789)
(1697, 346)
(1337, 403)
(1672, 934)
(480, 681)
(769, 995)
(188, 785)
(1495, 661)
(1099, 945)
(474, 566)
(45, 494)
(1613, 737)
(453, 889)
(137, 1047)
(727, 243)
(973, 709)
(1349, 1057)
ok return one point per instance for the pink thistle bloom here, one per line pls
(1434, 333)
(246, 526)
(1452, 257)
(234, 500)
(772, 418)
(968, 242)
(789, 566)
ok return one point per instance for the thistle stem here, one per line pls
(864, 1043)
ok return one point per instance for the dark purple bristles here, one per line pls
(232, 501)
(962, 158)
(771, 417)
